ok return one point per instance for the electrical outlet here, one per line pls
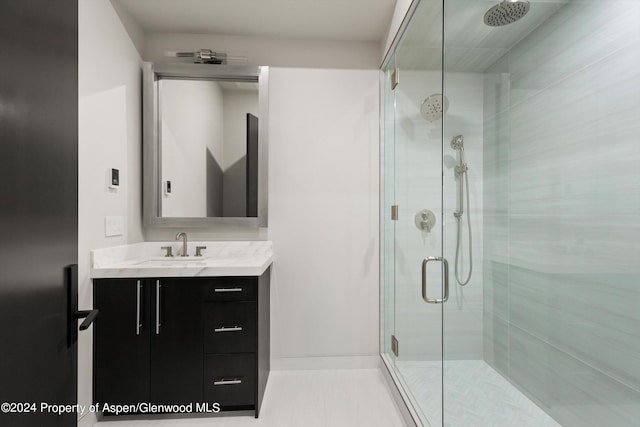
(113, 226)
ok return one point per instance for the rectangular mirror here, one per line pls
(205, 145)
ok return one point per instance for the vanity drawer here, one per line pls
(230, 327)
(230, 289)
(230, 379)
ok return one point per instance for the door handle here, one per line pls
(88, 315)
(424, 280)
(73, 314)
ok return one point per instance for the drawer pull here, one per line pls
(226, 329)
(228, 382)
(227, 290)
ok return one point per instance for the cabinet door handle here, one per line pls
(228, 382)
(228, 329)
(227, 290)
(138, 324)
(158, 289)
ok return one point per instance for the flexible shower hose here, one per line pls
(459, 240)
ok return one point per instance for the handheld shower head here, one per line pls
(457, 143)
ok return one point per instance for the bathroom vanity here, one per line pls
(190, 332)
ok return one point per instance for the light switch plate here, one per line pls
(114, 178)
(113, 226)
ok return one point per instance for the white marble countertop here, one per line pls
(221, 258)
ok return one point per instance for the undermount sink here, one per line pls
(165, 261)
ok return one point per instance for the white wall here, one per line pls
(323, 217)
(269, 51)
(237, 103)
(323, 214)
(323, 181)
(262, 51)
(109, 136)
(192, 116)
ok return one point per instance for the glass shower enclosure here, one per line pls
(510, 213)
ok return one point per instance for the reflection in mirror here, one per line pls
(205, 146)
(209, 142)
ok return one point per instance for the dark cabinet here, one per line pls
(148, 344)
(176, 342)
(121, 341)
(230, 327)
(230, 379)
(231, 342)
(182, 340)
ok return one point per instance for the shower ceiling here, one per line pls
(352, 20)
(471, 45)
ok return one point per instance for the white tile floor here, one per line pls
(335, 398)
(475, 395)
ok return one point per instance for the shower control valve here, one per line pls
(425, 220)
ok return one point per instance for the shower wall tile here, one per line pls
(496, 311)
(550, 134)
(572, 392)
(496, 343)
(583, 243)
(573, 39)
(463, 335)
(496, 290)
(496, 86)
(496, 238)
(469, 297)
(594, 318)
(562, 214)
(496, 135)
(417, 342)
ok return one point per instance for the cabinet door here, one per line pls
(121, 341)
(176, 341)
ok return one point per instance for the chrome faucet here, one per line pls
(183, 236)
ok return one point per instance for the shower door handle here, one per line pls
(424, 280)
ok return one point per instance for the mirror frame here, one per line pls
(151, 152)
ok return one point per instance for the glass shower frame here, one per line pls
(542, 287)
(409, 142)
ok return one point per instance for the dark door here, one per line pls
(252, 165)
(176, 341)
(121, 341)
(38, 205)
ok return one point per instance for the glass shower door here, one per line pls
(413, 106)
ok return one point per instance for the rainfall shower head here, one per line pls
(457, 143)
(434, 107)
(505, 13)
